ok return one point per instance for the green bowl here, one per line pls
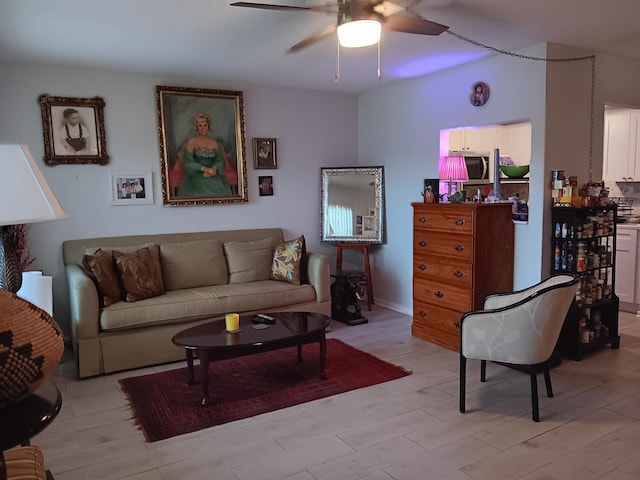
(515, 171)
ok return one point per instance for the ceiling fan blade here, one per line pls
(328, 8)
(401, 23)
(325, 32)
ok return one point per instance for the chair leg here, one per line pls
(534, 396)
(463, 380)
(483, 370)
(547, 380)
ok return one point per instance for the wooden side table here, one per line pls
(366, 275)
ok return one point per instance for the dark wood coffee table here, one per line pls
(211, 342)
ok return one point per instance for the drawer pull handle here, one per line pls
(457, 324)
(458, 274)
(422, 219)
(422, 267)
(460, 222)
(459, 248)
(422, 313)
(422, 243)
(438, 294)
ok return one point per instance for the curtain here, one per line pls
(340, 220)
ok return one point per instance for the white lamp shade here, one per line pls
(24, 193)
(359, 33)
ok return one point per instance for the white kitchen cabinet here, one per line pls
(621, 153)
(477, 140)
(626, 259)
(517, 143)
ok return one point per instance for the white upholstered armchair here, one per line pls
(519, 328)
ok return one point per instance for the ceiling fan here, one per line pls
(352, 14)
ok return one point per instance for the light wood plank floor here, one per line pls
(405, 429)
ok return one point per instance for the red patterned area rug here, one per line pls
(165, 406)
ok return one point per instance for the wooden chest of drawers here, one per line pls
(461, 254)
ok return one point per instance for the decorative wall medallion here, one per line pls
(479, 94)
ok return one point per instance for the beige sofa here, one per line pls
(199, 287)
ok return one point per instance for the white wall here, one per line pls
(399, 127)
(313, 129)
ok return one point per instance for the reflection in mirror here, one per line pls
(352, 204)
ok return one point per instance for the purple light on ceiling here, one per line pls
(433, 63)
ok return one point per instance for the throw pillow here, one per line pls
(287, 261)
(141, 273)
(100, 268)
(249, 261)
(193, 264)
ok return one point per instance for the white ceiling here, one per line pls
(213, 39)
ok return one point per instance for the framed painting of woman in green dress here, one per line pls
(202, 146)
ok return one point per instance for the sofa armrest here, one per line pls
(319, 276)
(84, 304)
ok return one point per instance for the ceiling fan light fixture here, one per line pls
(359, 33)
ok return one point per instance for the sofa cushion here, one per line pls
(141, 273)
(250, 261)
(287, 260)
(100, 267)
(179, 306)
(193, 264)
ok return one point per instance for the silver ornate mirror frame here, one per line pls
(352, 204)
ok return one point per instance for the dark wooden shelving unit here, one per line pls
(584, 244)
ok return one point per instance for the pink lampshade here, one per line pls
(453, 169)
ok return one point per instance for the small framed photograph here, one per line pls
(131, 188)
(358, 219)
(368, 225)
(264, 153)
(430, 192)
(73, 130)
(265, 186)
(372, 211)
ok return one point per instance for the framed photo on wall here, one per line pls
(73, 130)
(368, 225)
(264, 153)
(131, 188)
(265, 185)
(202, 146)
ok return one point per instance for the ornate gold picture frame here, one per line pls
(202, 146)
(73, 130)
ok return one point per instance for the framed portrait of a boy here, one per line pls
(73, 130)
(202, 146)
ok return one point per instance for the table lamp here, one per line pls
(452, 169)
(25, 197)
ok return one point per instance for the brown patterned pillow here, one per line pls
(100, 268)
(287, 261)
(141, 273)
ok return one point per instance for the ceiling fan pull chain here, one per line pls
(337, 59)
(379, 42)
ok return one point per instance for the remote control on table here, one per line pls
(262, 318)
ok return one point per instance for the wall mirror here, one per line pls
(352, 200)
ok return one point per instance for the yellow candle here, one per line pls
(232, 321)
